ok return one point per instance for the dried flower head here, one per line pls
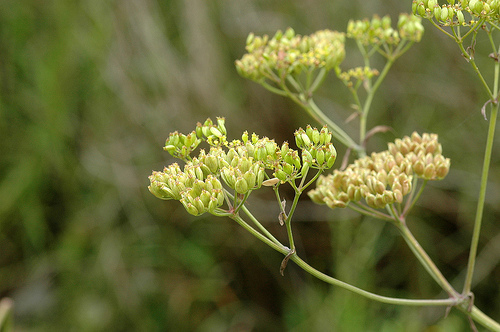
(386, 177)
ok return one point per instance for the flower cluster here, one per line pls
(358, 74)
(287, 53)
(454, 13)
(385, 177)
(238, 166)
(379, 31)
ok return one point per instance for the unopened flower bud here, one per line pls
(306, 157)
(241, 186)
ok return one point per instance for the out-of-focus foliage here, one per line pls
(89, 91)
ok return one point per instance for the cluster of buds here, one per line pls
(240, 165)
(386, 177)
(181, 146)
(379, 31)
(287, 53)
(424, 154)
(358, 74)
(317, 150)
(198, 192)
(453, 12)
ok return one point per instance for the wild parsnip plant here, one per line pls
(382, 185)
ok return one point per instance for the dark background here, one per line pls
(89, 90)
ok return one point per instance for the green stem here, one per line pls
(384, 299)
(424, 259)
(481, 318)
(276, 246)
(411, 200)
(481, 200)
(259, 225)
(310, 106)
(369, 99)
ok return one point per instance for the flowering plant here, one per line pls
(383, 185)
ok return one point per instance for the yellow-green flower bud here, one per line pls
(190, 208)
(305, 140)
(306, 157)
(281, 175)
(229, 177)
(320, 157)
(287, 168)
(437, 12)
(212, 163)
(241, 186)
(305, 168)
(244, 137)
(444, 13)
(324, 136)
(205, 197)
(250, 177)
(216, 132)
(421, 12)
(221, 125)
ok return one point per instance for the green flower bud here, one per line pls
(260, 153)
(444, 13)
(213, 204)
(199, 205)
(212, 163)
(190, 208)
(229, 177)
(287, 168)
(216, 132)
(421, 12)
(281, 175)
(305, 168)
(221, 125)
(320, 157)
(205, 197)
(306, 157)
(244, 137)
(305, 140)
(413, 8)
(241, 186)
(437, 12)
(250, 177)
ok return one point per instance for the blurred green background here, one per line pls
(89, 90)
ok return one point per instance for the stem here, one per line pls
(481, 318)
(424, 259)
(481, 200)
(411, 201)
(259, 225)
(369, 99)
(276, 246)
(311, 107)
(384, 299)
